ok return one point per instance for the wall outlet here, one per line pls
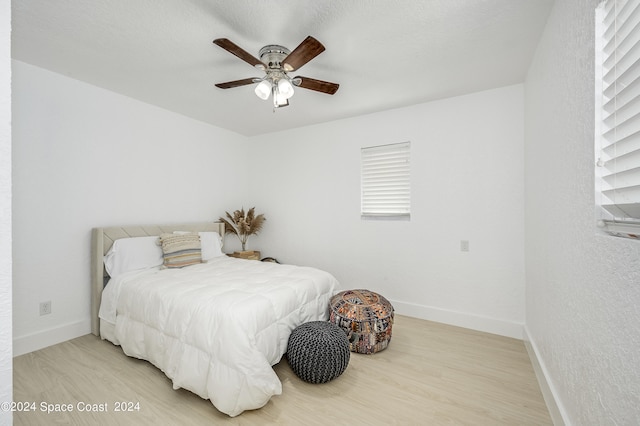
(45, 308)
(464, 245)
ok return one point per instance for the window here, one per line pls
(618, 116)
(385, 181)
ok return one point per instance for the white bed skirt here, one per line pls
(107, 331)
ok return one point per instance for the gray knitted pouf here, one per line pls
(318, 351)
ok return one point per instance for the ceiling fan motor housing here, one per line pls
(272, 56)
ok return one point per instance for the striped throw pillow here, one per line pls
(180, 250)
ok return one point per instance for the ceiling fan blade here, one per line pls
(231, 47)
(317, 85)
(236, 83)
(306, 51)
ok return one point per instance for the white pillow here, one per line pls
(130, 254)
(211, 244)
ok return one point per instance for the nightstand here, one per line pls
(249, 254)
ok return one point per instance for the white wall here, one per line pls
(467, 184)
(86, 157)
(583, 289)
(6, 343)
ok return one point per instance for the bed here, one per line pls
(215, 328)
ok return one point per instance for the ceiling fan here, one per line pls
(277, 61)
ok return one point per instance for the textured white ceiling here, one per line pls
(384, 54)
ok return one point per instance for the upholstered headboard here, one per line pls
(102, 239)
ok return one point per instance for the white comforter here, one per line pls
(217, 328)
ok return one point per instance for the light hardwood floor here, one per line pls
(430, 374)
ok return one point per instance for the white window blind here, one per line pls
(618, 110)
(385, 181)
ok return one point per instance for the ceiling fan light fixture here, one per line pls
(279, 100)
(263, 89)
(285, 88)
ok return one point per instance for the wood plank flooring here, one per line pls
(431, 374)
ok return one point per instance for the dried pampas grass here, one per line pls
(243, 224)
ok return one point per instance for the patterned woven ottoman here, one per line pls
(318, 351)
(365, 316)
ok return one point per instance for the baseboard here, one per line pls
(52, 336)
(474, 322)
(556, 410)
